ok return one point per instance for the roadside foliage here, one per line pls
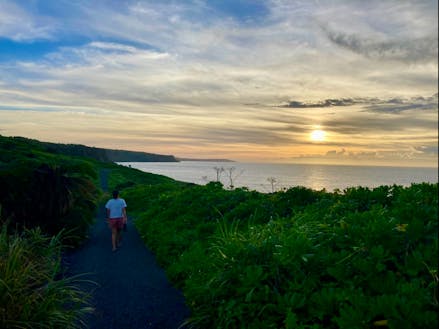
(50, 191)
(299, 258)
(48, 201)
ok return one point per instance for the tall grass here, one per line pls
(33, 293)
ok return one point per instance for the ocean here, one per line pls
(269, 177)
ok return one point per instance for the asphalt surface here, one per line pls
(131, 291)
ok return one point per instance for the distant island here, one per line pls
(207, 160)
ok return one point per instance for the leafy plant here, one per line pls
(32, 292)
(51, 197)
(297, 258)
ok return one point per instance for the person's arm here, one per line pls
(124, 211)
(108, 216)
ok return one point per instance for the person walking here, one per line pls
(116, 218)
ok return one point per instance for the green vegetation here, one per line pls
(361, 258)
(57, 192)
(122, 177)
(99, 154)
(358, 258)
(40, 189)
(47, 202)
(32, 292)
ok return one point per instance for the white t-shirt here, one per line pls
(116, 207)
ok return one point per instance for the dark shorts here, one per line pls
(116, 223)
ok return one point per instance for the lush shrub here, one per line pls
(299, 258)
(32, 292)
(123, 177)
(52, 197)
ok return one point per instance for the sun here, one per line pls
(317, 135)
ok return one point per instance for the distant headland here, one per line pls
(111, 155)
(101, 154)
(206, 160)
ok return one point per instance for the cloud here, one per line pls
(216, 56)
(393, 105)
(370, 124)
(192, 73)
(244, 135)
(325, 103)
(398, 105)
(407, 157)
(102, 53)
(427, 149)
(19, 24)
(333, 153)
(383, 31)
(424, 49)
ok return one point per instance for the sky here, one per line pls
(297, 81)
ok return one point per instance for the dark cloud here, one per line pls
(336, 153)
(393, 105)
(398, 105)
(343, 153)
(325, 103)
(423, 49)
(396, 108)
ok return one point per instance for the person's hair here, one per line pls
(115, 194)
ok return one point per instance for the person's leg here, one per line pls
(114, 237)
(119, 237)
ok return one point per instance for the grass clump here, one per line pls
(33, 293)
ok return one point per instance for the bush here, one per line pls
(358, 259)
(52, 197)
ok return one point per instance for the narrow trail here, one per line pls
(132, 291)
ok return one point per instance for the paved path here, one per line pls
(132, 292)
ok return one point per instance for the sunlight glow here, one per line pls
(318, 135)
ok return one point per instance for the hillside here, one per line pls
(100, 154)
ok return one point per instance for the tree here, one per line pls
(273, 183)
(232, 176)
(219, 171)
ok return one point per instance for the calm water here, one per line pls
(258, 176)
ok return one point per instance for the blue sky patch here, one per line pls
(241, 10)
(13, 50)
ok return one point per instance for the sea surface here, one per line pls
(267, 177)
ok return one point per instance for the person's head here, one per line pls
(115, 194)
